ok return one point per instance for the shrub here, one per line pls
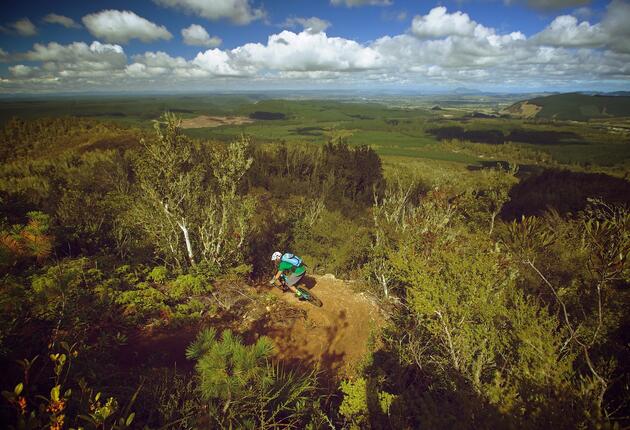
(243, 389)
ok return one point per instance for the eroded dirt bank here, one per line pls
(335, 336)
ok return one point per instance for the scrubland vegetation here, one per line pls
(502, 270)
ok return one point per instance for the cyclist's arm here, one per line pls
(282, 268)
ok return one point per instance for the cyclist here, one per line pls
(291, 267)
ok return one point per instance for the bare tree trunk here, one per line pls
(449, 340)
(191, 256)
(494, 215)
(384, 284)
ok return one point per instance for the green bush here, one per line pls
(158, 274)
(243, 389)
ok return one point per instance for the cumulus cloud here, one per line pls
(615, 25)
(612, 32)
(22, 71)
(238, 11)
(312, 25)
(117, 26)
(439, 23)
(440, 48)
(160, 60)
(21, 27)
(306, 51)
(78, 59)
(53, 18)
(196, 35)
(218, 63)
(153, 64)
(76, 52)
(565, 31)
(352, 3)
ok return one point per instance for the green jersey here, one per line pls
(288, 267)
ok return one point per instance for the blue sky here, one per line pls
(501, 45)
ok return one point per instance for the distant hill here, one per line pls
(572, 106)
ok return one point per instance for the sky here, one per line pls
(232, 45)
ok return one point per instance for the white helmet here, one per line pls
(276, 256)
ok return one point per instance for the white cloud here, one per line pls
(77, 51)
(4, 55)
(154, 64)
(21, 27)
(53, 18)
(196, 35)
(78, 59)
(22, 71)
(612, 32)
(565, 31)
(116, 26)
(306, 51)
(439, 23)
(160, 60)
(238, 11)
(217, 63)
(312, 25)
(352, 3)
(439, 49)
(616, 25)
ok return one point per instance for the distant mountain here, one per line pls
(572, 106)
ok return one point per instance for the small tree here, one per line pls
(193, 215)
(30, 240)
(226, 218)
(170, 177)
(489, 193)
(243, 389)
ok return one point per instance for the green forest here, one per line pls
(500, 270)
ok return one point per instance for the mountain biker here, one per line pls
(292, 267)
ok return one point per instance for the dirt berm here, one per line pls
(334, 337)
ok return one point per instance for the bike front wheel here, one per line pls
(311, 297)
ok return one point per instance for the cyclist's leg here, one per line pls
(282, 283)
(292, 280)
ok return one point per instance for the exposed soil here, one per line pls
(523, 109)
(204, 121)
(333, 338)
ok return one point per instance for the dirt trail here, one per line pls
(335, 336)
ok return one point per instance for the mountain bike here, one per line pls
(302, 294)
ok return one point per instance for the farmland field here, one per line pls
(413, 129)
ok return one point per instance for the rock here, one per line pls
(329, 276)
